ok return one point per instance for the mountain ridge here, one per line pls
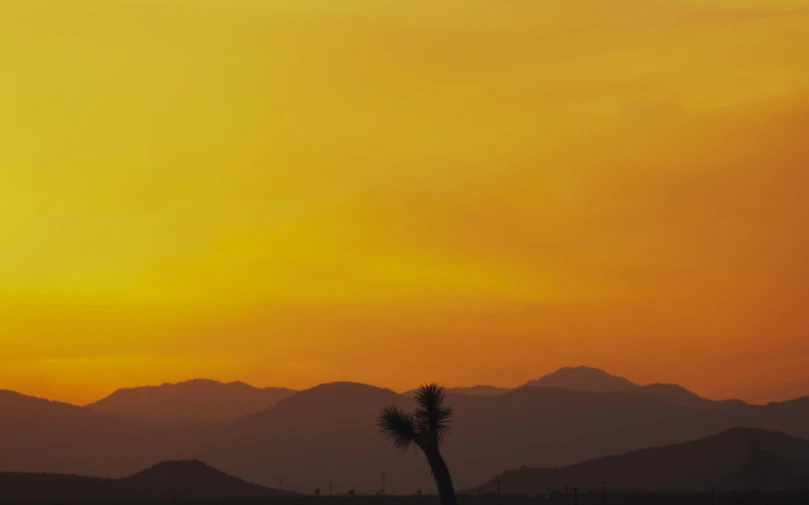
(202, 399)
(565, 378)
(306, 436)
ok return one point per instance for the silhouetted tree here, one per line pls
(426, 427)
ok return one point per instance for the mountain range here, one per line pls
(186, 480)
(330, 429)
(736, 459)
(311, 433)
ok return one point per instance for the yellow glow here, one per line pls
(469, 191)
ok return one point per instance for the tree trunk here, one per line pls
(442, 478)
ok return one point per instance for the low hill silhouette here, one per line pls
(736, 459)
(38, 435)
(194, 480)
(184, 480)
(200, 399)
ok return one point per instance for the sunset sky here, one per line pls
(290, 192)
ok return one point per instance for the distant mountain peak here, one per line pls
(582, 371)
(584, 378)
(344, 385)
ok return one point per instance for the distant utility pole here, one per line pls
(331, 485)
(498, 490)
(576, 496)
(713, 494)
(604, 489)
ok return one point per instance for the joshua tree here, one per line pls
(426, 427)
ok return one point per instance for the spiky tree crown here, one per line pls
(426, 427)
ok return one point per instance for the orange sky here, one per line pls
(468, 191)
